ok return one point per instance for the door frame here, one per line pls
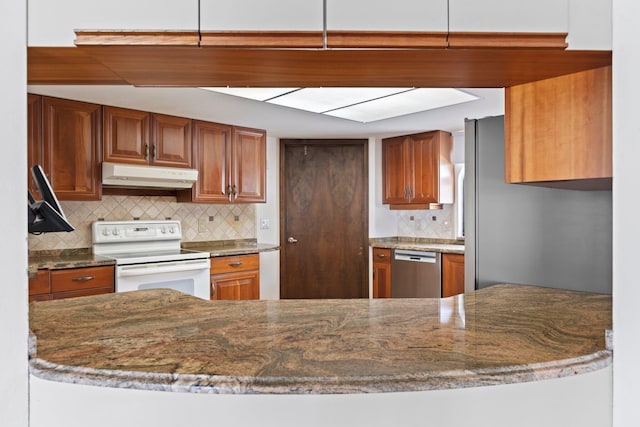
(364, 142)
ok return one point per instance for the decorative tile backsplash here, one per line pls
(230, 222)
(421, 223)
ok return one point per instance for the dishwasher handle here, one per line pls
(415, 256)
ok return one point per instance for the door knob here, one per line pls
(292, 240)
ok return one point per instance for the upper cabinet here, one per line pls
(71, 148)
(509, 16)
(139, 137)
(558, 132)
(231, 162)
(54, 23)
(35, 150)
(417, 170)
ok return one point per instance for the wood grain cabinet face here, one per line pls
(72, 282)
(574, 147)
(417, 170)
(381, 273)
(142, 138)
(35, 149)
(71, 148)
(235, 277)
(452, 274)
(39, 286)
(231, 163)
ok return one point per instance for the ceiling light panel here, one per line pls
(408, 102)
(322, 99)
(256, 93)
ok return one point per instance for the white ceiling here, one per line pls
(278, 121)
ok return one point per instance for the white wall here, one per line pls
(626, 233)
(270, 261)
(13, 251)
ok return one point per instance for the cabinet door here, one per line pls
(509, 16)
(171, 141)
(395, 170)
(35, 148)
(249, 166)
(452, 274)
(261, 15)
(39, 283)
(125, 136)
(236, 286)
(383, 15)
(72, 154)
(381, 273)
(212, 158)
(424, 169)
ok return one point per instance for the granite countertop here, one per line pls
(230, 247)
(165, 340)
(451, 246)
(83, 257)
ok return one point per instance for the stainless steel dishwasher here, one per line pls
(415, 274)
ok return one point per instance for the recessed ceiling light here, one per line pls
(408, 102)
(359, 104)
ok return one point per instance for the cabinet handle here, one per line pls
(229, 192)
(235, 192)
(213, 289)
(153, 151)
(405, 192)
(381, 255)
(83, 278)
(146, 151)
(235, 264)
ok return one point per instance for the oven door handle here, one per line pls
(144, 270)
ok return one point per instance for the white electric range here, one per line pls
(148, 256)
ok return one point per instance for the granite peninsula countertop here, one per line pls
(451, 246)
(165, 340)
(83, 257)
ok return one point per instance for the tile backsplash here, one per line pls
(421, 223)
(230, 222)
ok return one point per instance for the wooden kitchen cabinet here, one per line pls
(452, 274)
(235, 277)
(35, 150)
(143, 138)
(231, 163)
(417, 170)
(71, 282)
(558, 132)
(71, 140)
(381, 273)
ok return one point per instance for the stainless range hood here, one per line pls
(136, 176)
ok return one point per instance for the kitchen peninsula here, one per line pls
(173, 349)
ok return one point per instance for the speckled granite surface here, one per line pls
(419, 244)
(66, 258)
(165, 340)
(230, 247)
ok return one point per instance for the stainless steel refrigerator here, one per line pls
(524, 234)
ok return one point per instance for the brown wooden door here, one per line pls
(35, 148)
(424, 168)
(212, 158)
(236, 286)
(395, 170)
(125, 136)
(452, 274)
(171, 141)
(381, 273)
(324, 219)
(249, 165)
(72, 155)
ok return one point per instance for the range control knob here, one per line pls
(172, 230)
(105, 232)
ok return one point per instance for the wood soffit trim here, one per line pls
(508, 40)
(262, 39)
(136, 38)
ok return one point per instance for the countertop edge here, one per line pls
(435, 247)
(212, 384)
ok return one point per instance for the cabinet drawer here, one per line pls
(82, 278)
(382, 255)
(39, 284)
(228, 264)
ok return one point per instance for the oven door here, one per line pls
(189, 276)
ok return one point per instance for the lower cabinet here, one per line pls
(235, 277)
(452, 274)
(381, 273)
(72, 282)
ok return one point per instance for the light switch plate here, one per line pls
(264, 223)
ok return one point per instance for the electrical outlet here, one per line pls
(264, 223)
(202, 225)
